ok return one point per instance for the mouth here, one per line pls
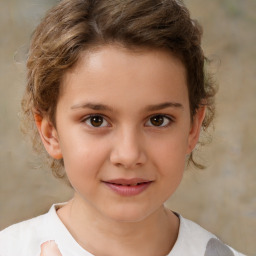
(128, 187)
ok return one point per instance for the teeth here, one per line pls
(135, 184)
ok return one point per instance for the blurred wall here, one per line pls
(221, 198)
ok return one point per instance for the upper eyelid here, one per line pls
(92, 115)
(170, 121)
(85, 118)
(172, 118)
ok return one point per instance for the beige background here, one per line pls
(221, 198)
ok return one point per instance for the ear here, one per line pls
(195, 129)
(49, 136)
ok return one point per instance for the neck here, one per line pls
(100, 235)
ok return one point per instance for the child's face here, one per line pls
(123, 118)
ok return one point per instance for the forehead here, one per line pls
(111, 72)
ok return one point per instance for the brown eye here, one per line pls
(96, 121)
(159, 121)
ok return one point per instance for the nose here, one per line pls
(128, 149)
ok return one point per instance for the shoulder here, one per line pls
(21, 228)
(196, 241)
(16, 238)
(24, 237)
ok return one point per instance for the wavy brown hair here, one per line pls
(75, 26)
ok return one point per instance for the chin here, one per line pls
(128, 215)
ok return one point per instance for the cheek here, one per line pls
(83, 159)
(171, 166)
(171, 151)
(169, 159)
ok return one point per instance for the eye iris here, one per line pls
(96, 121)
(157, 120)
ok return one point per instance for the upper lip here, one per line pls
(127, 181)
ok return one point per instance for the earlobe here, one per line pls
(49, 136)
(195, 129)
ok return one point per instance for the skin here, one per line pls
(50, 248)
(133, 86)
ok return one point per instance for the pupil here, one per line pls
(96, 121)
(157, 120)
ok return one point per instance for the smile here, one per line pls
(131, 187)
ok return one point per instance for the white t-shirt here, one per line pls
(25, 238)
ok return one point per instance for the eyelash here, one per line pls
(167, 118)
(89, 118)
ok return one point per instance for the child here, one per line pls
(118, 95)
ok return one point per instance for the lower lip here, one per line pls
(128, 190)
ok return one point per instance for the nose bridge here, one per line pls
(128, 150)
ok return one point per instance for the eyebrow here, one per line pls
(103, 107)
(93, 106)
(164, 105)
